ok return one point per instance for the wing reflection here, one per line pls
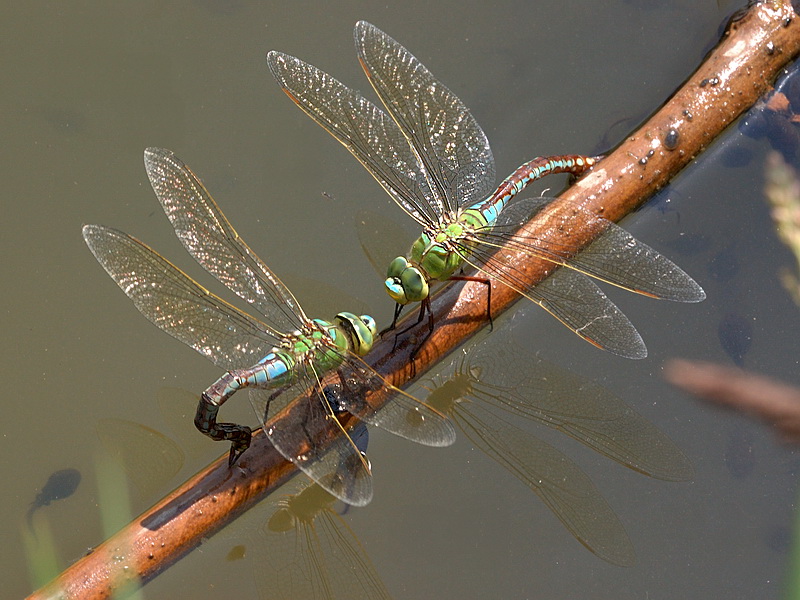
(493, 382)
(312, 552)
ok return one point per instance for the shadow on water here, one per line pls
(61, 484)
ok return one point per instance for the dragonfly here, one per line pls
(433, 159)
(279, 352)
(488, 388)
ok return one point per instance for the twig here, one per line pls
(775, 403)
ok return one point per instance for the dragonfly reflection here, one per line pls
(313, 553)
(493, 382)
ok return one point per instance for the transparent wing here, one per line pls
(570, 297)
(293, 565)
(445, 136)
(365, 130)
(333, 460)
(581, 409)
(209, 237)
(402, 415)
(558, 481)
(303, 437)
(351, 573)
(615, 256)
(381, 239)
(177, 304)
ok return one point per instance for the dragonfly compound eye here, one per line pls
(414, 284)
(371, 325)
(396, 267)
(395, 289)
(358, 331)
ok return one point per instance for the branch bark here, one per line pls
(734, 76)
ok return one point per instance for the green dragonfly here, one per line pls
(434, 160)
(281, 351)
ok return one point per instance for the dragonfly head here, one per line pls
(405, 282)
(361, 331)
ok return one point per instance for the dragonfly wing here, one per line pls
(209, 237)
(176, 303)
(380, 239)
(294, 565)
(579, 408)
(401, 415)
(335, 462)
(615, 256)
(570, 297)
(445, 136)
(558, 481)
(364, 129)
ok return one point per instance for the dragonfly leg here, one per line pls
(426, 307)
(272, 396)
(398, 308)
(206, 417)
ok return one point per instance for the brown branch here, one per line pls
(733, 77)
(775, 403)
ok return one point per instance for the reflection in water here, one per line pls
(61, 484)
(775, 116)
(177, 407)
(238, 552)
(149, 458)
(494, 379)
(725, 265)
(312, 552)
(735, 334)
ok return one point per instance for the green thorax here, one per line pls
(328, 343)
(434, 251)
(323, 346)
